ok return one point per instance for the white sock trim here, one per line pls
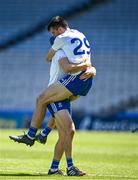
(42, 134)
(69, 167)
(53, 170)
(30, 137)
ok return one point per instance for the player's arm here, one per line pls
(58, 44)
(73, 98)
(50, 54)
(72, 68)
(90, 72)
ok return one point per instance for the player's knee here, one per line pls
(39, 99)
(70, 132)
(62, 138)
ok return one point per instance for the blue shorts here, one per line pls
(75, 85)
(60, 105)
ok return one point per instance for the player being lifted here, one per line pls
(77, 49)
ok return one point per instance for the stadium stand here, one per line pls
(17, 16)
(112, 32)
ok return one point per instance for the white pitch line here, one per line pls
(111, 175)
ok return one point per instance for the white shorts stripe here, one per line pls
(64, 82)
(54, 108)
(71, 78)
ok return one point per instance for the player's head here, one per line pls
(57, 25)
(52, 40)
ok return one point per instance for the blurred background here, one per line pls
(111, 27)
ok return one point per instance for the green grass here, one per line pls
(103, 155)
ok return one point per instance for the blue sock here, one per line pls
(69, 163)
(54, 165)
(46, 131)
(32, 132)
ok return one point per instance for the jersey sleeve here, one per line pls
(58, 43)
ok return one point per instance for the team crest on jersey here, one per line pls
(59, 105)
(62, 80)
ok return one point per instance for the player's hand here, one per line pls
(48, 61)
(73, 98)
(90, 72)
(87, 63)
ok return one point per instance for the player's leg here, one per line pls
(58, 91)
(74, 85)
(40, 109)
(38, 116)
(64, 121)
(42, 136)
(39, 113)
(37, 119)
(54, 93)
(66, 87)
(58, 152)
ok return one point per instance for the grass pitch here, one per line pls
(103, 155)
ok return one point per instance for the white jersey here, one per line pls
(74, 44)
(56, 72)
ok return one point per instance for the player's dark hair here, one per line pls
(57, 22)
(52, 40)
